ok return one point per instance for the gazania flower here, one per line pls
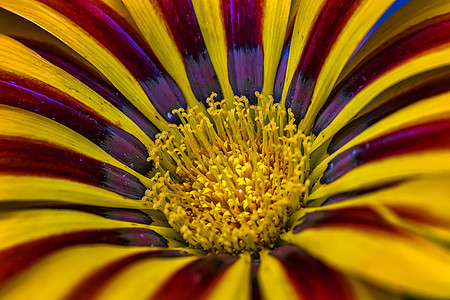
(224, 149)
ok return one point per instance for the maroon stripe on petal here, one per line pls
(94, 80)
(93, 284)
(17, 258)
(42, 99)
(242, 20)
(349, 196)
(329, 23)
(181, 19)
(256, 293)
(311, 279)
(422, 137)
(361, 218)
(196, 279)
(429, 86)
(27, 157)
(120, 214)
(421, 38)
(118, 37)
(281, 72)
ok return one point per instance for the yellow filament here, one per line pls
(229, 181)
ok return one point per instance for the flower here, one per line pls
(125, 175)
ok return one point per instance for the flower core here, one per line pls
(229, 179)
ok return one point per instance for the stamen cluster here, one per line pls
(229, 179)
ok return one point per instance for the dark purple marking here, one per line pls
(119, 214)
(281, 73)
(118, 37)
(181, 19)
(17, 258)
(243, 21)
(422, 137)
(92, 285)
(360, 218)
(20, 156)
(429, 86)
(310, 277)
(40, 98)
(348, 196)
(421, 38)
(330, 21)
(195, 280)
(92, 79)
(256, 293)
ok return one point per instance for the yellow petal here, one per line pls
(148, 16)
(235, 283)
(88, 47)
(27, 189)
(17, 122)
(432, 59)
(273, 280)
(274, 26)
(20, 60)
(400, 262)
(210, 20)
(142, 279)
(427, 110)
(56, 275)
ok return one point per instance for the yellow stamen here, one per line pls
(229, 181)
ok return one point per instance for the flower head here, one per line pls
(224, 149)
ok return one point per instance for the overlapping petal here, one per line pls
(83, 96)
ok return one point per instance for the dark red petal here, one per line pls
(422, 137)
(242, 20)
(428, 86)
(118, 37)
(418, 39)
(42, 99)
(94, 80)
(311, 278)
(93, 284)
(17, 258)
(28, 157)
(183, 25)
(330, 21)
(196, 279)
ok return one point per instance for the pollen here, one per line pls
(229, 178)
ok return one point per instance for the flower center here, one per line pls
(229, 179)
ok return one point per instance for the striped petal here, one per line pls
(80, 262)
(109, 43)
(420, 48)
(419, 205)
(427, 110)
(18, 123)
(171, 29)
(62, 56)
(33, 158)
(246, 46)
(197, 279)
(117, 279)
(400, 155)
(289, 273)
(405, 93)
(36, 233)
(361, 242)
(323, 43)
